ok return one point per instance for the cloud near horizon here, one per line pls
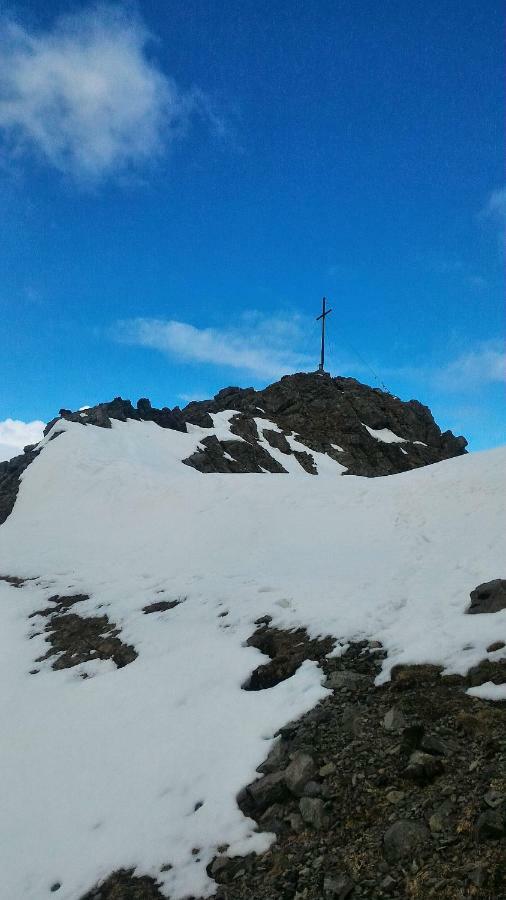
(482, 365)
(265, 347)
(86, 96)
(14, 435)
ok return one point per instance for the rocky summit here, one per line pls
(366, 431)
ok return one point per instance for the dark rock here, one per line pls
(405, 839)
(412, 736)
(267, 791)
(489, 597)
(223, 869)
(345, 680)
(272, 818)
(423, 767)
(162, 605)
(490, 825)
(337, 887)
(432, 744)
(124, 885)
(277, 440)
(497, 645)
(10, 479)
(351, 720)
(313, 789)
(325, 411)
(287, 650)
(487, 670)
(404, 677)
(76, 639)
(394, 720)
(312, 810)
(277, 759)
(478, 876)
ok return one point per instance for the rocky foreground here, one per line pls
(396, 791)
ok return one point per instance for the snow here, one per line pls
(385, 435)
(105, 772)
(489, 691)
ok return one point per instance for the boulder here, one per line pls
(404, 839)
(301, 770)
(489, 597)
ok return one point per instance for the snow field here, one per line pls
(108, 772)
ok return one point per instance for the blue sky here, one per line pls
(181, 183)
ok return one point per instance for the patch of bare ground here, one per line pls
(15, 580)
(162, 605)
(74, 639)
(124, 885)
(287, 651)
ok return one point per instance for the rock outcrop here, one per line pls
(328, 415)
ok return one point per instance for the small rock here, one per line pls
(222, 869)
(434, 745)
(312, 811)
(351, 721)
(267, 790)
(394, 720)
(337, 887)
(423, 767)
(490, 825)
(296, 822)
(276, 759)
(312, 789)
(404, 838)
(478, 876)
(387, 883)
(345, 679)
(272, 818)
(497, 645)
(494, 799)
(436, 822)
(395, 796)
(301, 770)
(412, 736)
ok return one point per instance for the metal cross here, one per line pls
(323, 316)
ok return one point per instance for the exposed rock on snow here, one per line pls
(287, 651)
(10, 473)
(358, 426)
(489, 597)
(76, 639)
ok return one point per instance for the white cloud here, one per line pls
(496, 204)
(266, 347)
(14, 435)
(87, 97)
(478, 367)
(495, 211)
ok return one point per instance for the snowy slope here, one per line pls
(108, 772)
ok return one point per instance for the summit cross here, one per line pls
(323, 316)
